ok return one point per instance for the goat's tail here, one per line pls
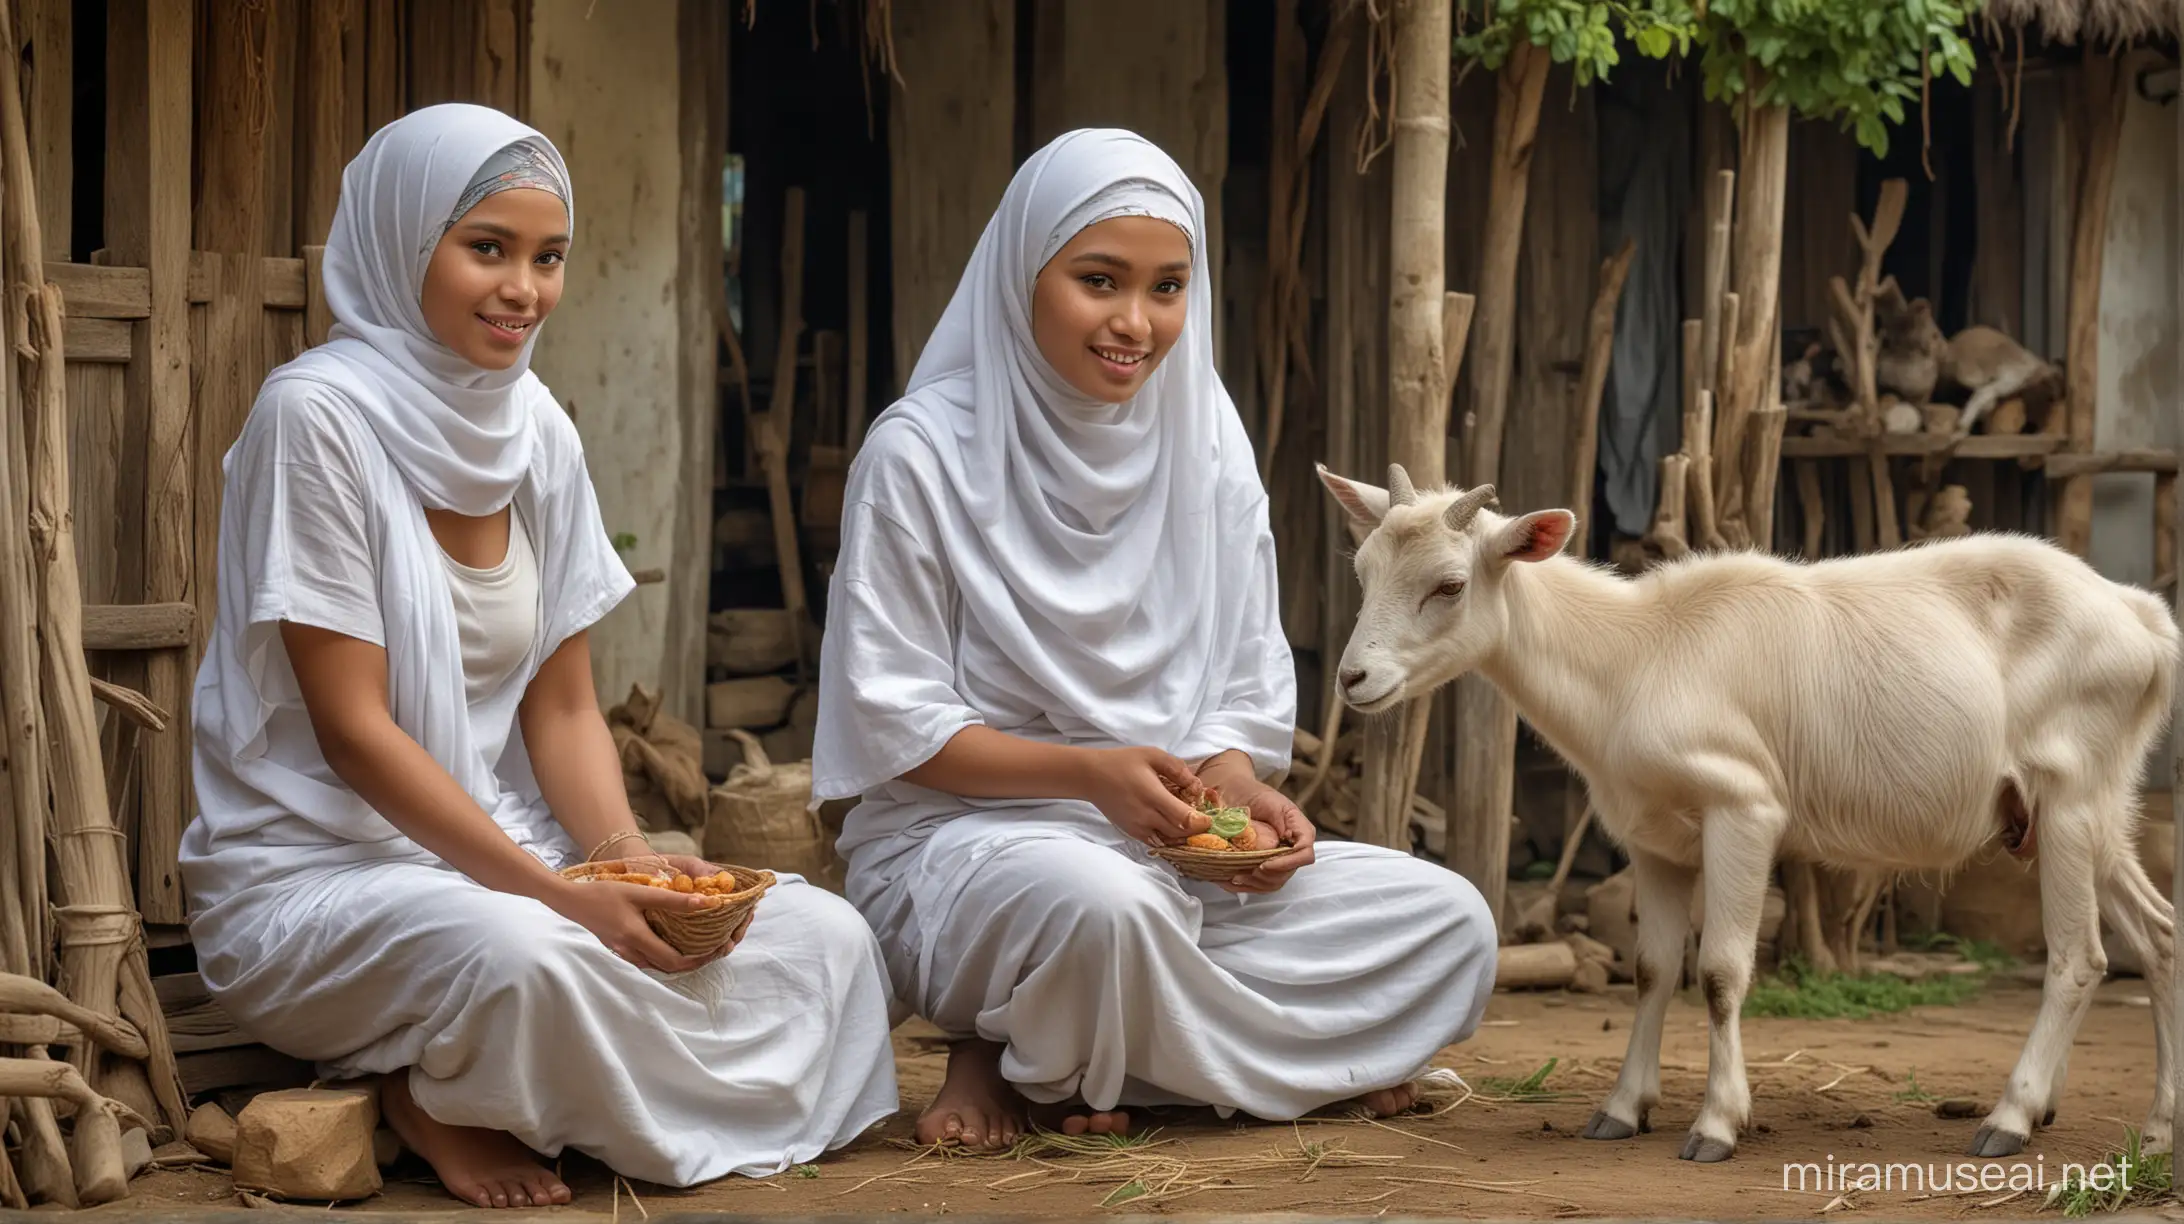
(2153, 612)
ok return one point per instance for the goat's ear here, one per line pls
(1535, 536)
(1366, 504)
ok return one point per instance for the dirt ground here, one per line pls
(1825, 1092)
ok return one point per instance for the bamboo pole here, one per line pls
(1486, 723)
(1763, 163)
(1593, 381)
(1418, 367)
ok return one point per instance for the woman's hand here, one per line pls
(1131, 787)
(615, 912)
(1273, 810)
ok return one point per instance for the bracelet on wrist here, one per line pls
(619, 837)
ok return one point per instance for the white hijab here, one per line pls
(460, 435)
(1103, 549)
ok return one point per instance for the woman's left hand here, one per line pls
(691, 866)
(1271, 807)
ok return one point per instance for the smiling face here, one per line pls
(496, 274)
(1111, 304)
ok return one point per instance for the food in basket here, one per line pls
(1232, 828)
(1231, 847)
(732, 894)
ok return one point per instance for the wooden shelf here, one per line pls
(1978, 446)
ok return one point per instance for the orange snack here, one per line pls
(1207, 841)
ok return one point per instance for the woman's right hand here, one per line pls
(615, 912)
(1132, 788)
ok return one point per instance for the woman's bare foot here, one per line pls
(1073, 1118)
(976, 1106)
(486, 1168)
(1388, 1102)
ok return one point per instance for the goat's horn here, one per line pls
(1465, 508)
(1400, 492)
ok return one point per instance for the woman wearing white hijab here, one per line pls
(397, 740)
(1056, 595)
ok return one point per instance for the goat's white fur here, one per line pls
(1865, 712)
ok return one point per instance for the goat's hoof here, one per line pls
(1993, 1141)
(1604, 1126)
(1706, 1150)
(2047, 1119)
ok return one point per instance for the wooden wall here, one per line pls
(182, 236)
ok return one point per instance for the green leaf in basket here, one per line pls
(1228, 822)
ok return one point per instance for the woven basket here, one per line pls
(762, 814)
(1216, 866)
(698, 932)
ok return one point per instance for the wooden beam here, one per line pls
(321, 149)
(949, 143)
(1978, 446)
(231, 127)
(385, 78)
(279, 283)
(2102, 94)
(98, 341)
(148, 225)
(46, 31)
(496, 72)
(153, 626)
(2071, 464)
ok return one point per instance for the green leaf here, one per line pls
(1228, 822)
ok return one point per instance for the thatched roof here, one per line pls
(2103, 22)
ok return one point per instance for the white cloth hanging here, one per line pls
(1016, 556)
(327, 933)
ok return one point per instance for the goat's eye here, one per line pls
(1450, 589)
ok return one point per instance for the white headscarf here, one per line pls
(1098, 554)
(460, 435)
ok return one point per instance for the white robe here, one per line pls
(328, 934)
(1036, 924)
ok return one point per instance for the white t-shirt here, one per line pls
(496, 612)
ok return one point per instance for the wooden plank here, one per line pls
(280, 282)
(494, 74)
(98, 341)
(385, 87)
(96, 408)
(92, 292)
(320, 147)
(231, 128)
(318, 314)
(949, 143)
(284, 50)
(860, 329)
(252, 1066)
(1978, 446)
(355, 64)
(46, 29)
(2102, 93)
(2066, 465)
(229, 368)
(148, 225)
(148, 626)
(440, 55)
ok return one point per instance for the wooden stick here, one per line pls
(1667, 534)
(1523, 82)
(772, 433)
(1813, 505)
(101, 1175)
(2067, 464)
(1717, 323)
(1763, 166)
(1593, 382)
(1763, 469)
(130, 704)
(860, 331)
(2165, 533)
(24, 996)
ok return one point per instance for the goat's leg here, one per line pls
(1663, 895)
(1740, 851)
(2147, 923)
(2070, 918)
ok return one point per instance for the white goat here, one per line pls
(1896, 711)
